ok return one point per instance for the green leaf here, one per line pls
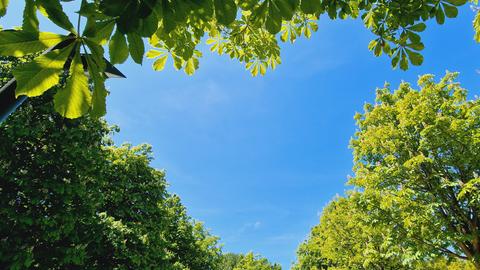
(395, 60)
(97, 53)
(310, 6)
(190, 66)
(403, 61)
(100, 93)
(136, 47)
(3, 7)
(372, 44)
(450, 11)
(177, 62)
(159, 64)
(415, 58)
(263, 68)
(42, 73)
(369, 19)
(286, 8)
(457, 2)
(416, 46)
(118, 48)
(75, 99)
(440, 16)
(420, 27)
(100, 32)
(476, 26)
(30, 20)
(274, 19)
(225, 11)
(20, 43)
(113, 8)
(149, 25)
(55, 13)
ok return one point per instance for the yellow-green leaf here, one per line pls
(190, 66)
(75, 99)
(154, 54)
(476, 26)
(159, 64)
(3, 7)
(42, 73)
(20, 43)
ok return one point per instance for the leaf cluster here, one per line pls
(248, 31)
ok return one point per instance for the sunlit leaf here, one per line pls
(42, 73)
(74, 100)
(20, 43)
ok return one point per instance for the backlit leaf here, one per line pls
(20, 43)
(42, 73)
(75, 99)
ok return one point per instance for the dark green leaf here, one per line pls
(136, 47)
(420, 27)
(310, 6)
(225, 11)
(55, 13)
(415, 58)
(450, 11)
(440, 16)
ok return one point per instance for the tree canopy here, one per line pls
(416, 177)
(70, 199)
(248, 31)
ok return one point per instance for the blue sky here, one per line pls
(257, 159)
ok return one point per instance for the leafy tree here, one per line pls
(417, 151)
(69, 199)
(255, 262)
(229, 261)
(245, 30)
(347, 238)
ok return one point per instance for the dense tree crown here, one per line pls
(247, 30)
(69, 199)
(417, 167)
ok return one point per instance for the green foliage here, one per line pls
(416, 200)
(418, 151)
(229, 261)
(255, 262)
(244, 30)
(249, 261)
(69, 199)
(347, 238)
